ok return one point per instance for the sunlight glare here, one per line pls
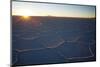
(25, 13)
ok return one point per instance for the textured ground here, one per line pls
(46, 40)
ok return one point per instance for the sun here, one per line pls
(25, 12)
(26, 17)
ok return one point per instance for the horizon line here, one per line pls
(58, 16)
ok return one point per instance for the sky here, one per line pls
(45, 9)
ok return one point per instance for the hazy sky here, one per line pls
(44, 9)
